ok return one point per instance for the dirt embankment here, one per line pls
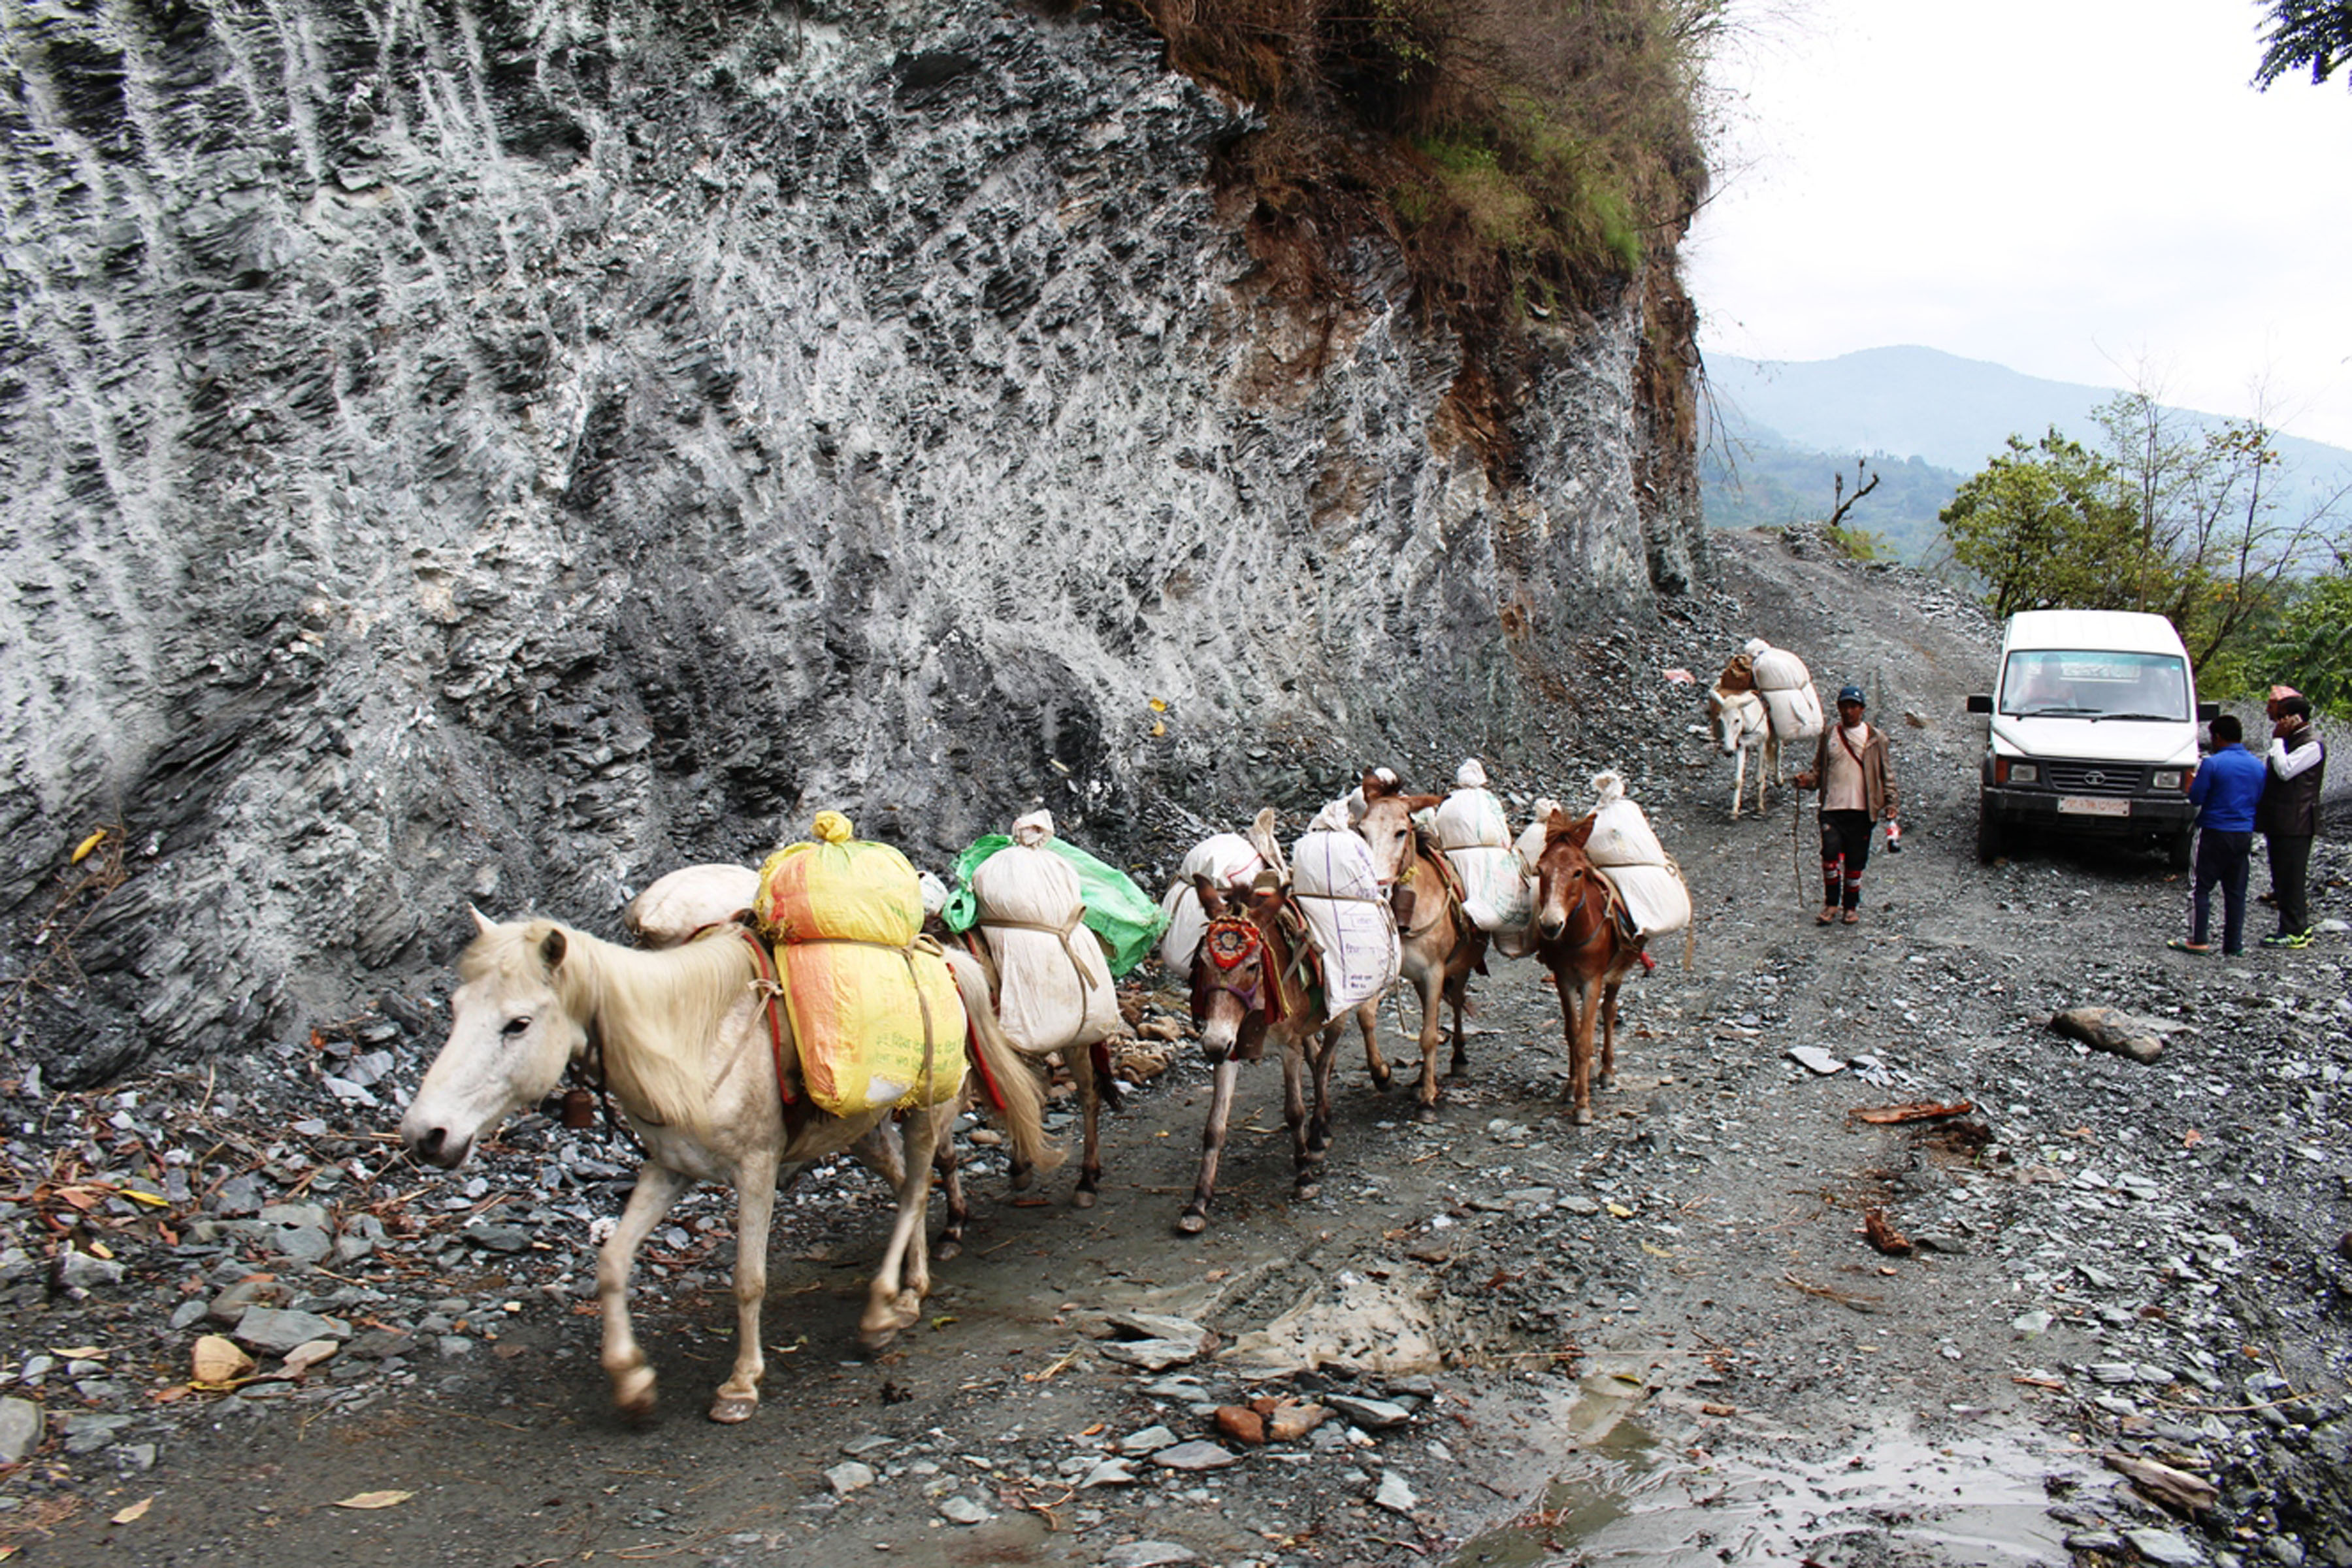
(1664, 1336)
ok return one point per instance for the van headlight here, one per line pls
(2024, 773)
(2165, 778)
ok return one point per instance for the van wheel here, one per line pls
(2176, 850)
(1988, 836)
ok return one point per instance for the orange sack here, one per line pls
(873, 1007)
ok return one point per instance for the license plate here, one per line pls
(2092, 805)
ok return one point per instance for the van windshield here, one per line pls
(2094, 685)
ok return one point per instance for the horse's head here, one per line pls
(510, 1035)
(1561, 873)
(1731, 715)
(1387, 827)
(1236, 989)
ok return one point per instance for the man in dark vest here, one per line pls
(2289, 815)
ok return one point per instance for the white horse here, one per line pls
(682, 1038)
(1742, 724)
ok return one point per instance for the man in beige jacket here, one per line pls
(1856, 779)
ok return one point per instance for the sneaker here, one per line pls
(2288, 939)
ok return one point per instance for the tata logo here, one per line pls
(2094, 778)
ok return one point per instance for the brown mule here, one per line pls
(1580, 938)
(1248, 987)
(1442, 947)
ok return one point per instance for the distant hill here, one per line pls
(1777, 431)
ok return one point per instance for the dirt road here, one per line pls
(1662, 1337)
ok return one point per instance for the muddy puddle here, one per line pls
(1629, 1496)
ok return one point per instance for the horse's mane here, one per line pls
(658, 1014)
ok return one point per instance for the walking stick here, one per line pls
(1797, 846)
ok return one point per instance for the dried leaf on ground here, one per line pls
(1883, 1236)
(135, 1512)
(1911, 1110)
(373, 1500)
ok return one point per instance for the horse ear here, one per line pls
(1374, 785)
(483, 925)
(1212, 898)
(1424, 802)
(1580, 833)
(551, 948)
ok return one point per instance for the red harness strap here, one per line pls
(765, 962)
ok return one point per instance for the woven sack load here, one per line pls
(674, 907)
(1531, 837)
(1471, 817)
(1347, 911)
(1121, 915)
(1055, 987)
(1787, 687)
(1796, 712)
(874, 1011)
(1621, 833)
(1226, 859)
(1655, 897)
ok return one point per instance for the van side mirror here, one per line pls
(2208, 712)
(1980, 704)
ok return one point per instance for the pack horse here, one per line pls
(694, 1056)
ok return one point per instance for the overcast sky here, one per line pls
(2087, 190)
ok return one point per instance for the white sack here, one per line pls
(1796, 712)
(1053, 986)
(1655, 897)
(675, 907)
(1496, 893)
(1227, 859)
(1471, 818)
(1621, 833)
(1777, 669)
(1530, 841)
(1347, 911)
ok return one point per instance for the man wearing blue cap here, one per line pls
(1857, 785)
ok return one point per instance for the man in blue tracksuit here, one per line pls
(2224, 792)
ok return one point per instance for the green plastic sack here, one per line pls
(1127, 920)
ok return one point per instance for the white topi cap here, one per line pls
(1471, 774)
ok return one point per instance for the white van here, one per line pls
(2095, 727)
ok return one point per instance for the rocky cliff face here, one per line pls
(480, 451)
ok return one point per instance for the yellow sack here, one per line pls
(875, 1010)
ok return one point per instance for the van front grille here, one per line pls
(2094, 778)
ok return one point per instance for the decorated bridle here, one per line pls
(1232, 949)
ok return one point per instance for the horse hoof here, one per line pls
(635, 1399)
(1191, 1222)
(1383, 1079)
(1609, 1084)
(1084, 1198)
(1583, 1117)
(947, 1250)
(874, 1341)
(1307, 1192)
(731, 1408)
(1426, 1115)
(1022, 1176)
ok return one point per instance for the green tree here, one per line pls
(2317, 34)
(2216, 550)
(2311, 647)
(2044, 526)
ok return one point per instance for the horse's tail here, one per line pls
(1008, 1070)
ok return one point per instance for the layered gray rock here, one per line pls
(504, 452)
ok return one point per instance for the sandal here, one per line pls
(1853, 917)
(1827, 917)
(2182, 944)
